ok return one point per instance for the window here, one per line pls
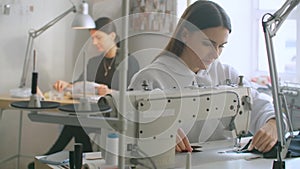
(285, 41)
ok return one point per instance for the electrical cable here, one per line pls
(136, 162)
(147, 157)
(144, 155)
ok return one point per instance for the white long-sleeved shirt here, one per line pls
(168, 72)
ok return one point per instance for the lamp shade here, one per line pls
(83, 20)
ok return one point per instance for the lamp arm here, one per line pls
(275, 21)
(32, 35)
(26, 61)
(270, 27)
(52, 22)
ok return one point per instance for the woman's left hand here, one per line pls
(103, 90)
(265, 138)
(182, 142)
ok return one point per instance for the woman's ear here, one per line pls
(184, 35)
(113, 35)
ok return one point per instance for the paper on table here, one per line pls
(58, 158)
(90, 87)
(77, 91)
(93, 156)
(94, 160)
(62, 157)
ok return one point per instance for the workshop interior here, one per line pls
(90, 84)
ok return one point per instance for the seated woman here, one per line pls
(191, 57)
(101, 69)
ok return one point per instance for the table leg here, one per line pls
(18, 154)
(20, 138)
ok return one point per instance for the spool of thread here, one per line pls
(71, 159)
(188, 163)
(78, 155)
(34, 82)
(111, 156)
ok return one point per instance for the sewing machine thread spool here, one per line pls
(241, 80)
(78, 155)
(71, 159)
(188, 160)
(111, 156)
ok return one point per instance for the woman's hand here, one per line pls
(265, 138)
(182, 142)
(60, 85)
(103, 90)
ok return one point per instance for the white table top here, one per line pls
(214, 159)
(214, 155)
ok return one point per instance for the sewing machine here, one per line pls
(292, 94)
(153, 118)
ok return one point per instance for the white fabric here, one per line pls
(171, 72)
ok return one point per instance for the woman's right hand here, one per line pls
(60, 85)
(182, 142)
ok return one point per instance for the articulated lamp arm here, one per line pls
(51, 23)
(270, 26)
(273, 23)
(32, 35)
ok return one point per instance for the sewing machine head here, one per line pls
(153, 117)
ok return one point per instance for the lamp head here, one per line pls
(83, 20)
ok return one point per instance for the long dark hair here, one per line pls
(105, 24)
(202, 14)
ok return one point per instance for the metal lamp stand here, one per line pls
(35, 102)
(270, 27)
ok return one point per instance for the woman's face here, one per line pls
(207, 44)
(103, 41)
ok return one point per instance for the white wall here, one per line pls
(239, 50)
(57, 49)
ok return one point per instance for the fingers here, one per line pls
(182, 141)
(267, 146)
(177, 148)
(103, 90)
(180, 144)
(262, 141)
(265, 138)
(58, 85)
(55, 85)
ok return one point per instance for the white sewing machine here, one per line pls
(292, 94)
(153, 118)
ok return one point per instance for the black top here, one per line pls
(96, 71)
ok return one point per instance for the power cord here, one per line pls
(145, 155)
(136, 162)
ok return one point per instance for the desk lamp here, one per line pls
(81, 21)
(270, 26)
